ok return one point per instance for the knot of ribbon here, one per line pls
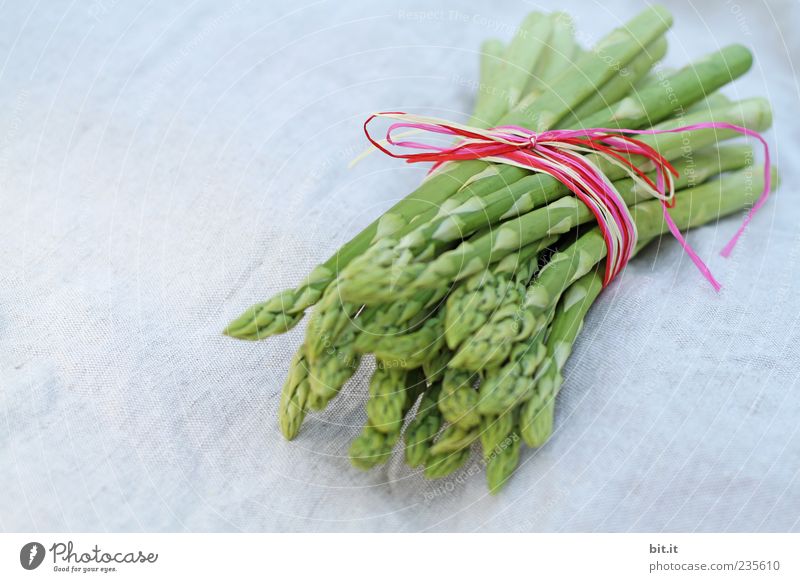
(561, 153)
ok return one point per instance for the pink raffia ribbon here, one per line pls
(560, 154)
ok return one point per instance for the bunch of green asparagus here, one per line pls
(471, 292)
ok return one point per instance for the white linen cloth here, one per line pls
(165, 165)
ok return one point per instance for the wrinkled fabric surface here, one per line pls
(165, 165)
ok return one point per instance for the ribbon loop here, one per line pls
(560, 154)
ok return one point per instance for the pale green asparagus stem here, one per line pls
(492, 52)
(620, 85)
(398, 318)
(334, 366)
(372, 447)
(654, 77)
(714, 101)
(514, 71)
(294, 397)
(332, 317)
(508, 325)
(559, 55)
(388, 397)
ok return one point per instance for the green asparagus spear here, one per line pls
(388, 398)
(559, 54)
(503, 462)
(513, 73)
(401, 317)
(494, 430)
(423, 428)
(372, 447)
(507, 386)
(332, 368)
(536, 416)
(375, 443)
(443, 464)
(412, 349)
(470, 305)
(492, 51)
(592, 69)
(619, 85)
(458, 399)
(453, 439)
(294, 397)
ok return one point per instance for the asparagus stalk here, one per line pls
(388, 398)
(423, 428)
(458, 399)
(559, 54)
(378, 437)
(398, 318)
(620, 84)
(508, 385)
(714, 101)
(592, 69)
(453, 439)
(283, 311)
(494, 430)
(443, 464)
(503, 462)
(536, 415)
(470, 305)
(492, 52)
(332, 368)
(294, 397)
(514, 70)
(372, 447)
(411, 350)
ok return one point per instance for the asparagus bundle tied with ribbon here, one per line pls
(471, 292)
